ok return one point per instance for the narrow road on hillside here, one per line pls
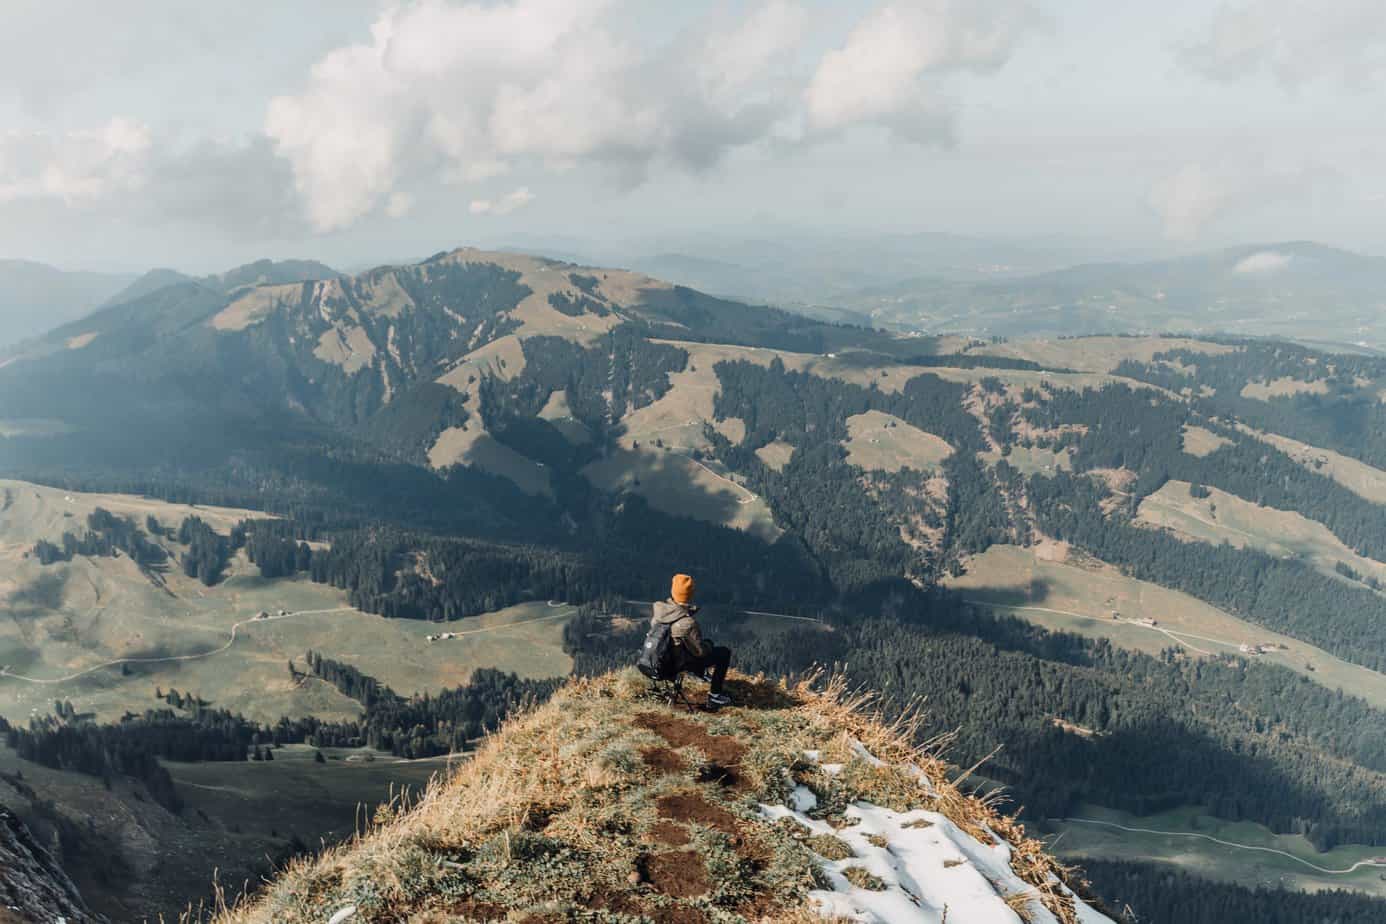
(747, 613)
(449, 636)
(1175, 635)
(1208, 837)
(5, 672)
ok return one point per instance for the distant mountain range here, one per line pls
(35, 297)
(259, 273)
(933, 283)
(1298, 290)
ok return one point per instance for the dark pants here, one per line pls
(719, 659)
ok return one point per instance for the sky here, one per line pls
(161, 133)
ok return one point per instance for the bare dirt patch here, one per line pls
(680, 874)
(670, 834)
(663, 760)
(724, 752)
(692, 807)
(472, 910)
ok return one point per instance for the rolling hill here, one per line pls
(1296, 290)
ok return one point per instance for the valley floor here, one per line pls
(1242, 853)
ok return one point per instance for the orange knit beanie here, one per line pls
(682, 590)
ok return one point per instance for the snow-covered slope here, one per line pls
(920, 868)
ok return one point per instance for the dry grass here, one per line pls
(557, 814)
(878, 441)
(862, 879)
(1200, 442)
(1283, 387)
(776, 455)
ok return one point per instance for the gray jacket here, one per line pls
(683, 627)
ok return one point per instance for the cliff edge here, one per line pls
(33, 887)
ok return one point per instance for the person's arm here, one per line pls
(693, 639)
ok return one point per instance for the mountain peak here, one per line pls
(795, 804)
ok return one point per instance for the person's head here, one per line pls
(682, 589)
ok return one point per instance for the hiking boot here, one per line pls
(718, 699)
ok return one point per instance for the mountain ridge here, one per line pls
(797, 804)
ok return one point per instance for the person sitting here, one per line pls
(693, 653)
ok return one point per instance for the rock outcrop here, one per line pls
(33, 887)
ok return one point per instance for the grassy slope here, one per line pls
(1066, 597)
(70, 617)
(607, 799)
(1223, 517)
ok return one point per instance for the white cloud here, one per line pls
(887, 70)
(124, 168)
(468, 91)
(464, 92)
(1293, 40)
(74, 167)
(1262, 263)
(510, 202)
(1198, 195)
(399, 205)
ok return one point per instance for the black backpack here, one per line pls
(658, 658)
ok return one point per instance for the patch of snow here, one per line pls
(832, 769)
(802, 799)
(860, 750)
(342, 914)
(929, 868)
(812, 756)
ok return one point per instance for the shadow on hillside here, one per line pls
(1035, 593)
(676, 484)
(44, 592)
(764, 695)
(1156, 764)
